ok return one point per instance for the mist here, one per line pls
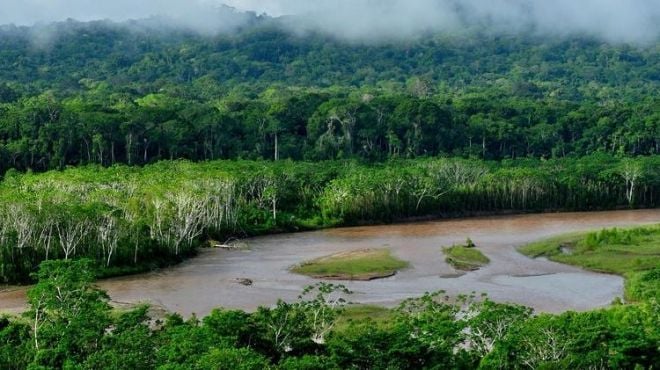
(629, 21)
(635, 21)
(205, 16)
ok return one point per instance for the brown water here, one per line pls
(209, 280)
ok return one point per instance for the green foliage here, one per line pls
(16, 348)
(71, 326)
(68, 314)
(465, 257)
(356, 265)
(101, 96)
(633, 253)
(104, 94)
(182, 344)
(307, 362)
(130, 219)
(487, 325)
(616, 338)
(365, 346)
(232, 359)
(376, 315)
(644, 286)
(435, 328)
(129, 345)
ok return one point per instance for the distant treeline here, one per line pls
(129, 218)
(45, 132)
(100, 93)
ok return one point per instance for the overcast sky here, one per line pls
(612, 20)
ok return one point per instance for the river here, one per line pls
(209, 280)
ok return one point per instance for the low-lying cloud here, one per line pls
(635, 21)
(207, 16)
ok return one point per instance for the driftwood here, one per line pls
(225, 246)
(230, 244)
(244, 281)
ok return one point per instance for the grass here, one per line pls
(465, 257)
(363, 265)
(633, 253)
(363, 313)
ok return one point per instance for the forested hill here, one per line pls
(100, 92)
(144, 55)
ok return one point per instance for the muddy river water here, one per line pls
(209, 280)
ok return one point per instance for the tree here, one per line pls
(233, 359)
(487, 323)
(324, 308)
(68, 314)
(130, 344)
(283, 329)
(631, 172)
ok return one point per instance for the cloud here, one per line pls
(202, 15)
(611, 20)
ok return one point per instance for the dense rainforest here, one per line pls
(104, 93)
(127, 146)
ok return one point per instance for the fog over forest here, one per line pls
(634, 21)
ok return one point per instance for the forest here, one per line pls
(107, 93)
(129, 146)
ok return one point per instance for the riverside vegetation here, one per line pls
(71, 325)
(632, 253)
(465, 257)
(128, 218)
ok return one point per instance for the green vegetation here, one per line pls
(436, 126)
(360, 313)
(531, 124)
(102, 93)
(465, 257)
(367, 264)
(71, 325)
(129, 219)
(633, 253)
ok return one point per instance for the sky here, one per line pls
(636, 21)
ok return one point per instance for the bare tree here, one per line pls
(46, 235)
(178, 220)
(322, 311)
(71, 233)
(631, 173)
(19, 220)
(551, 348)
(108, 236)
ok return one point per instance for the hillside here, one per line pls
(101, 92)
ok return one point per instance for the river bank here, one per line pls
(209, 280)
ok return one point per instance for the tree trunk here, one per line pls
(129, 148)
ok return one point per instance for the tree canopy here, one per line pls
(108, 93)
